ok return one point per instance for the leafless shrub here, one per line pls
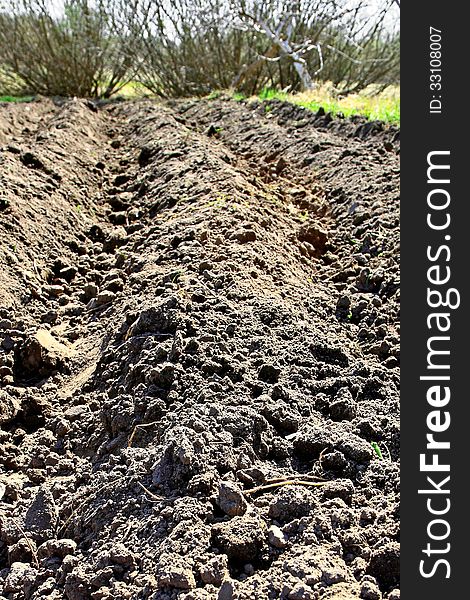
(192, 47)
(189, 46)
(74, 48)
(195, 46)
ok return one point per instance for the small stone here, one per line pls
(123, 178)
(118, 218)
(174, 572)
(116, 238)
(311, 442)
(163, 375)
(102, 576)
(300, 591)
(50, 316)
(339, 488)
(343, 303)
(241, 538)
(344, 407)
(231, 499)
(8, 343)
(22, 551)
(62, 427)
(9, 407)
(40, 356)
(292, 502)
(90, 290)
(356, 449)
(215, 570)
(369, 591)
(41, 517)
(277, 537)
(105, 297)
(333, 460)
(306, 249)
(15, 578)
(103, 593)
(227, 590)
(244, 235)
(360, 217)
(120, 555)
(76, 584)
(45, 589)
(385, 564)
(68, 273)
(376, 301)
(198, 297)
(315, 236)
(114, 285)
(75, 412)
(54, 290)
(61, 548)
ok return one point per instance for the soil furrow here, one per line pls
(195, 328)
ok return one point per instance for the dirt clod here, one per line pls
(231, 499)
(241, 538)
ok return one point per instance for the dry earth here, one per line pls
(199, 309)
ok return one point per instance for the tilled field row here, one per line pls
(199, 355)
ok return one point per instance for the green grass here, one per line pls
(377, 450)
(16, 98)
(239, 97)
(383, 106)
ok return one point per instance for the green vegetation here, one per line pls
(16, 98)
(370, 103)
(377, 450)
(239, 97)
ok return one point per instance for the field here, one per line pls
(199, 328)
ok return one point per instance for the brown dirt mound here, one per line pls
(199, 344)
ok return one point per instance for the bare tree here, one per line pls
(310, 34)
(280, 35)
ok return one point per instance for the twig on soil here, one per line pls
(28, 541)
(271, 486)
(154, 497)
(314, 478)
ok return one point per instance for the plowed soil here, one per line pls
(199, 307)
